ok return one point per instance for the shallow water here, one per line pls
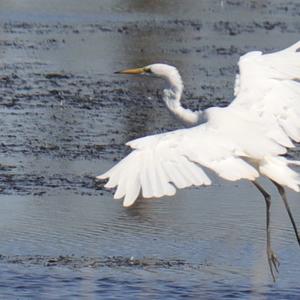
(65, 117)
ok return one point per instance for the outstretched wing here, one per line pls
(159, 163)
(162, 162)
(269, 84)
(256, 128)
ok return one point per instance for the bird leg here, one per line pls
(272, 258)
(282, 193)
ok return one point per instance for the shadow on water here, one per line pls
(141, 49)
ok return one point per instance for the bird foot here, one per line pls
(273, 263)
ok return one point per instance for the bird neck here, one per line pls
(172, 96)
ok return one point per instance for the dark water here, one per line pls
(65, 117)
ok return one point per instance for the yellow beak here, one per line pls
(131, 71)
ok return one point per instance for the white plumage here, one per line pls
(244, 140)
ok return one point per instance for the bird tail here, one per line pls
(277, 168)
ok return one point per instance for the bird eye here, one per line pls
(147, 70)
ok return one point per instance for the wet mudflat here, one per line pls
(65, 118)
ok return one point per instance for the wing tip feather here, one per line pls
(101, 177)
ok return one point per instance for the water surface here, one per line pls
(65, 118)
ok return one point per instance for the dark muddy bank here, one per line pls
(74, 262)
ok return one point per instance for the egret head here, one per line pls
(160, 70)
(167, 72)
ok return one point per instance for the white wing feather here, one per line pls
(269, 85)
(162, 162)
(239, 141)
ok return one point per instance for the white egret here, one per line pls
(245, 140)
